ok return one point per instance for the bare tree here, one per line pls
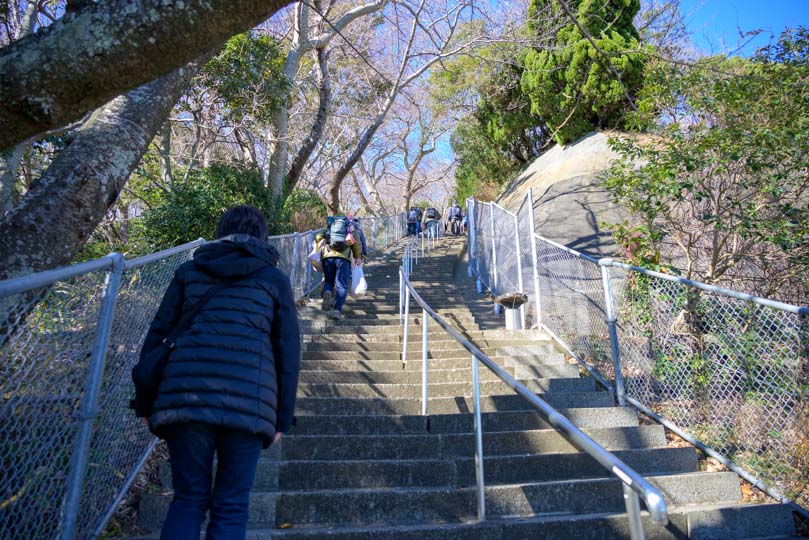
(302, 43)
(430, 37)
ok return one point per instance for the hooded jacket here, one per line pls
(237, 365)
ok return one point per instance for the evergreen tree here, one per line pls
(571, 85)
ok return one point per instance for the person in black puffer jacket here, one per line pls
(229, 385)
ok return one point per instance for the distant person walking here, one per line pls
(228, 387)
(337, 249)
(455, 215)
(431, 218)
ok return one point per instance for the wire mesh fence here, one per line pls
(69, 445)
(729, 370)
(45, 342)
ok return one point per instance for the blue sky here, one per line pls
(715, 23)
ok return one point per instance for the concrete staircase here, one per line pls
(362, 463)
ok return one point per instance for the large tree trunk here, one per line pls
(52, 78)
(52, 222)
(308, 146)
(9, 164)
(166, 176)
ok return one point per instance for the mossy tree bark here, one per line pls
(50, 78)
(50, 225)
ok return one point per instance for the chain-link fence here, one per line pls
(69, 445)
(728, 371)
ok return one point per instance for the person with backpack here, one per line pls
(337, 249)
(226, 385)
(412, 221)
(455, 214)
(431, 216)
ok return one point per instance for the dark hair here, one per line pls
(242, 219)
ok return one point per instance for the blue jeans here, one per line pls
(336, 273)
(191, 449)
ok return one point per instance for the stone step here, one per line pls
(354, 371)
(351, 375)
(436, 389)
(698, 522)
(460, 471)
(414, 355)
(502, 347)
(415, 336)
(419, 505)
(391, 319)
(438, 446)
(366, 406)
(374, 424)
(446, 504)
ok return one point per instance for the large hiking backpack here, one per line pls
(432, 213)
(413, 215)
(338, 230)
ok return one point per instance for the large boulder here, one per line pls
(570, 206)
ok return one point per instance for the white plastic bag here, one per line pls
(315, 257)
(358, 284)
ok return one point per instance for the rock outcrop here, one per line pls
(570, 206)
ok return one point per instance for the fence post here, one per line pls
(519, 268)
(494, 257)
(470, 235)
(534, 254)
(308, 287)
(294, 270)
(373, 235)
(609, 306)
(89, 405)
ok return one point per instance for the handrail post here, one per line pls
(89, 407)
(479, 478)
(406, 323)
(424, 352)
(534, 255)
(633, 512)
(609, 306)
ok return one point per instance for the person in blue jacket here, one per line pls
(229, 386)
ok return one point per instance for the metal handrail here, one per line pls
(634, 485)
(791, 308)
